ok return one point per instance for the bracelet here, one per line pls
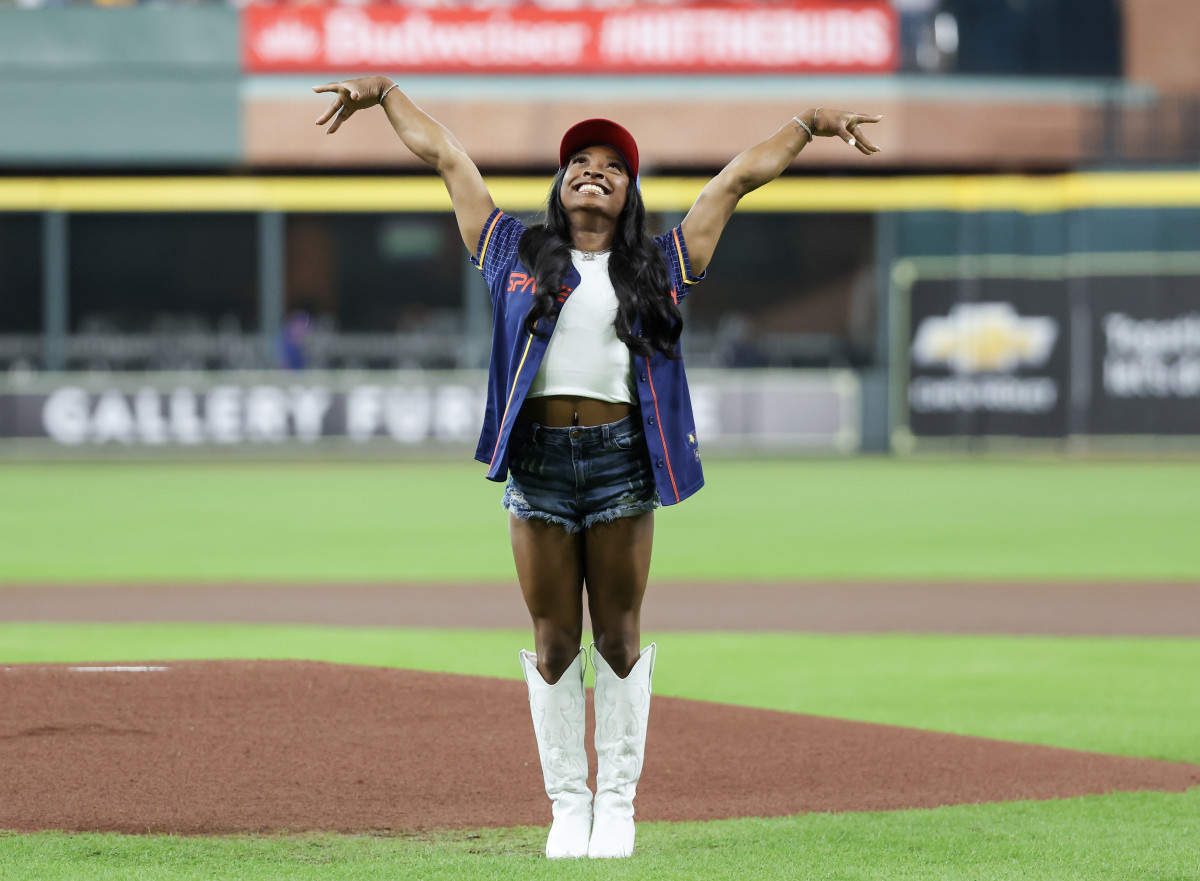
(803, 126)
(385, 93)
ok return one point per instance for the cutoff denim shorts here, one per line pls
(579, 476)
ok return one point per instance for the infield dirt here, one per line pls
(1057, 608)
(207, 747)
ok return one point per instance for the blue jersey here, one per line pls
(666, 405)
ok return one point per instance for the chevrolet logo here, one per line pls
(984, 337)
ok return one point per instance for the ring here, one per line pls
(341, 107)
(851, 142)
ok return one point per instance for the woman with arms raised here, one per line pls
(588, 417)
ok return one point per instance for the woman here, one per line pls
(588, 408)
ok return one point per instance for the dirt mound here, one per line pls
(234, 746)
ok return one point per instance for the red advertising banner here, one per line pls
(817, 36)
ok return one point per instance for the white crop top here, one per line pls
(584, 357)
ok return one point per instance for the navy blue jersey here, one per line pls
(666, 405)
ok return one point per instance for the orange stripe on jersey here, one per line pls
(508, 403)
(487, 238)
(663, 437)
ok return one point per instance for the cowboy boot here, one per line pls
(559, 713)
(622, 711)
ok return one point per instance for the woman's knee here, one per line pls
(620, 648)
(556, 649)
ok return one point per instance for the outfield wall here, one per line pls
(1010, 346)
(1011, 307)
(388, 412)
(1075, 327)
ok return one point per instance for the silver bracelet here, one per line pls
(803, 126)
(385, 92)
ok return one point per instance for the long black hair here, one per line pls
(635, 266)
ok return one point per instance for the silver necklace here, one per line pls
(591, 255)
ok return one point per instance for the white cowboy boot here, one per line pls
(622, 712)
(559, 714)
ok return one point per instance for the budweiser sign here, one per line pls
(781, 38)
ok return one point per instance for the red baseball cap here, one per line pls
(599, 131)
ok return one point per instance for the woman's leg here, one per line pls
(617, 567)
(550, 569)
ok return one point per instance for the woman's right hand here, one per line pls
(350, 97)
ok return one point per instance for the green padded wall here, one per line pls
(139, 87)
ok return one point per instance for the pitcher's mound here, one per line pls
(235, 746)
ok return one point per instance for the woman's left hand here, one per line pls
(828, 122)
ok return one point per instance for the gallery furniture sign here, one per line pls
(776, 410)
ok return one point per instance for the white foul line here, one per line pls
(116, 669)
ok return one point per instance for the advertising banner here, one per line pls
(995, 363)
(802, 36)
(1052, 357)
(777, 410)
(1146, 356)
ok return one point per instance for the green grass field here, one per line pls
(806, 519)
(845, 519)
(1149, 836)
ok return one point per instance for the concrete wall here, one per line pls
(1162, 44)
(151, 87)
(951, 124)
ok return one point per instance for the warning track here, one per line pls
(1056, 608)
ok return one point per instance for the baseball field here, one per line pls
(868, 669)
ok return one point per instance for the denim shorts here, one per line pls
(579, 476)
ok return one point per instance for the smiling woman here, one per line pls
(588, 417)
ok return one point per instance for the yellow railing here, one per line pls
(425, 193)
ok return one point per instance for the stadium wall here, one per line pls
(125, 88)
(162, 87)
(364, 413)
(1072, 295)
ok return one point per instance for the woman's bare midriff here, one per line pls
(561, 411)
